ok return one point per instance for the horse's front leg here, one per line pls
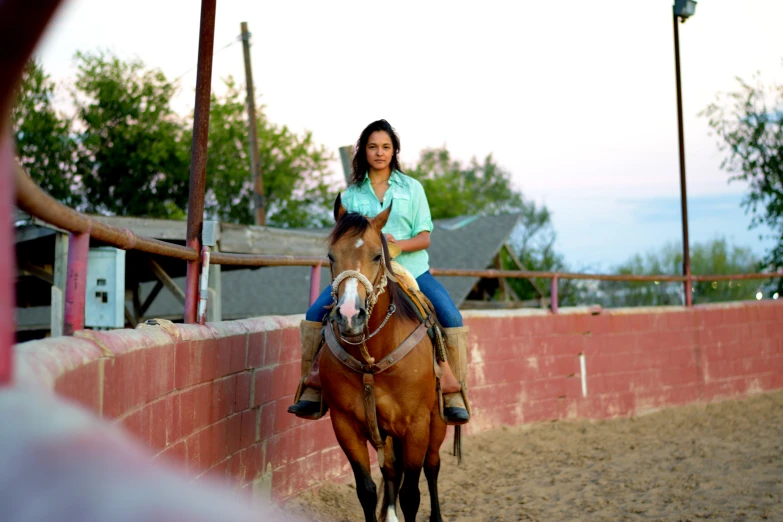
(432, 463)
(355, 449)
(392, 477)
(414, 450)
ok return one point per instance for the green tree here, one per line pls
(45, 146)
(456, 189)
(133, 155)
(749, 126)
(295, 170)
(130, 154)
(714, 257)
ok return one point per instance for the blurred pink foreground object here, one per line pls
(59, 462)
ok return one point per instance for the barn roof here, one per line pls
(464, 242)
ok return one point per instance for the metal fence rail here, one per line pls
(37, 203)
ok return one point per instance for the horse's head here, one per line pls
(357, 254)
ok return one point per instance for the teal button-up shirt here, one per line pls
(409, 217)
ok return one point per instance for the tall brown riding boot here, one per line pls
(307, 401)
(456, 407)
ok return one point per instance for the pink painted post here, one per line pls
(198, 154)
(553, 297)
(76, 283)
(7, 260)
(315, 283)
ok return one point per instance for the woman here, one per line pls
(377, 181)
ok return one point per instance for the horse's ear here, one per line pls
(379, 221)
(339, 209)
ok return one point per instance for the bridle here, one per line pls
(373, 291)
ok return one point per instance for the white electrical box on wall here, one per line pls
(105, 300)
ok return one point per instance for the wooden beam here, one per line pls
(150, 298)
(503, 284)
(520, 266)
(136, 301)
(510, 292)
(129, 317)
(164, 278)
(40, 272)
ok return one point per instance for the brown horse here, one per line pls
(378, 372)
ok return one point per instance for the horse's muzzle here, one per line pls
(351, 317)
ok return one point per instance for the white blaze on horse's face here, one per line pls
(359, 242)
(348, 301)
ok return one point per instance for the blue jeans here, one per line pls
(445, 309)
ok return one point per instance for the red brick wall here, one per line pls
(213, 398)
(526, 368)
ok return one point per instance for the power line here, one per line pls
(232, 42)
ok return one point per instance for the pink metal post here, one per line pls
(315, 283)
(7, 261)
(198, 155)
(21, 25)
(553, 297)
(76, 283)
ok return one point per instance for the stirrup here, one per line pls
(456, 415)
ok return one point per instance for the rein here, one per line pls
(392, 309)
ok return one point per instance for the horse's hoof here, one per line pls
(306, 409)
(456, 415)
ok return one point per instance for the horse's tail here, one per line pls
(458, 443)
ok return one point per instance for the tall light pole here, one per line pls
(681, 11)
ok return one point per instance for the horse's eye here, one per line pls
(377, 258)
(331, 259)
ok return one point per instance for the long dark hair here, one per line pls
(360, 165)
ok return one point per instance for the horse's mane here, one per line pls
(353, 224)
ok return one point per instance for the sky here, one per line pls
(575, 99)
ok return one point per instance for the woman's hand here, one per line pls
(419, 242)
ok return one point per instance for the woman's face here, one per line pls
(380, 150)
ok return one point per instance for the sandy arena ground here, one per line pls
(722, 461)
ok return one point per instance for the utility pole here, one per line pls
(255, 168)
